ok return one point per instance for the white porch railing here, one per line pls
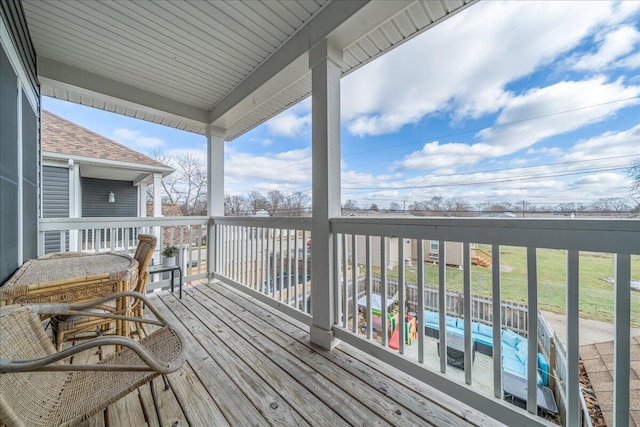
(359, 238)
(270, 258)
(189, 234)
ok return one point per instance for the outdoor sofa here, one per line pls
(514, 346)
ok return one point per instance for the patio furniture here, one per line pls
(515, 389)
(455, 351)
(37, 387)
(144, 252)
(74, 327)
(74, 277)
(156, 269)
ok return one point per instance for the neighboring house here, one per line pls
(87, 175)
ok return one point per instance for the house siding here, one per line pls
(95, 198)
(8, 168)
(30, 165)
(18, 181)
(55, 202)
(16, 24)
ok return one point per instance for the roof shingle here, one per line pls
(64, 137)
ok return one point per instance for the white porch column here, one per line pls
(215, 189)
(157, 194)
(75, 203)
(325, 61)
(142, 199)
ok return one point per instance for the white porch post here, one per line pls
(157, 211)
(325, 61)
(75, 203)
(142, 199)
(215, 189)
(157, 194)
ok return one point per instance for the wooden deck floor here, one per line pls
(247, 364)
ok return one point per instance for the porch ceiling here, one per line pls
(189, 64)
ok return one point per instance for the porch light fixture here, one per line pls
(112, 197)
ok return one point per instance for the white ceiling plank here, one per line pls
(108, 51)
(53, 72)
(320, 27)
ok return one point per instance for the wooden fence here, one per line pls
(514, 316)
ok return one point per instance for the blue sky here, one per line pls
(506, 101)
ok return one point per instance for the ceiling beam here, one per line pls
(59, 75)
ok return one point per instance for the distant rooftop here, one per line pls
(64, 137)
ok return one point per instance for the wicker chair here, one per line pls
(73, 328)
(143, 254)
(37, 387)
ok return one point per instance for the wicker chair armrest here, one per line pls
(89, 309)
(48, 363)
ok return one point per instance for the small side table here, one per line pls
(154, 269)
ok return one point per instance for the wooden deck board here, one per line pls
(313, 392)
(393, 402)
(248, 364)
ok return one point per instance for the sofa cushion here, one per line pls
(521, 351)
(452, 321)
(485, 330)
(483, 339)
(510, 338)
(475, 327)
(431, 317)
(543, 368)
(513, 366)
(510, 353)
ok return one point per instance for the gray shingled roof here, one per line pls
(64, 137)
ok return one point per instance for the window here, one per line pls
(435, 246)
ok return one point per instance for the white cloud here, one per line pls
(135, 137)
(514, 131)
(283, 171)
(292, 123)
(615, 45)
(591, 169)
(609, 144)
(451, 68)
(593, 101)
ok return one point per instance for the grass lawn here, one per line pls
(596, 294)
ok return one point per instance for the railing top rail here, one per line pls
(59, 224)
(599, 235)
(292, 223)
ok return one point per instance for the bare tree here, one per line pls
(394, 207)
(235, 205)
(275, 200)
(633, 172)
(187, 186)
(256, 201)
(297, 203)
(436, 203)
(456, 204)
(350, 205)
(610, 204)
(417, 206)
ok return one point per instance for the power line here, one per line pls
(514, 168)
(492, 181)
(489, 127)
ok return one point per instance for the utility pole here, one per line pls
(523, 209)
(404, 203)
